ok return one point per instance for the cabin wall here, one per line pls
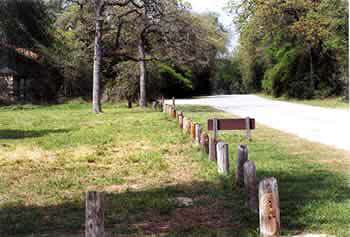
(8, 86)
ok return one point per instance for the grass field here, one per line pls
(49, 157)
(332, 102)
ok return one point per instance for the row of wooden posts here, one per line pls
(266, 197)
(264, 201)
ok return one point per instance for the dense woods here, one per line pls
(293, 48)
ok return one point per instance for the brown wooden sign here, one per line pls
(231, 124)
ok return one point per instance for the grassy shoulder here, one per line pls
(49, 157)
(332, 102)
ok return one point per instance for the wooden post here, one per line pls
(94, 225)
(215, 128)
(212, 148)
(178, 113)
(198, 133)
(174, 113)
(154, 105)
(247, 125)
(242, 158)
(205, 142)
(193, 131)
(181, 121)
(185, 125)
(170, 110)
(222, 152)
(250, 185)
(189, 126)
(163, 103)
(174, 102)
(269, 211)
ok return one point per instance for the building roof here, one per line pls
(22, 51)
(7, 71)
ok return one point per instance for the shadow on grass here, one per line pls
(217, 210)
(214, 212)
(21, 134)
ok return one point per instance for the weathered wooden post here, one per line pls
(212, 148)
(178, 113)
(215, 128)
(205, 142)
(163, 104)
(222, 152)
(174, 102)
(168, 109)
(241, 159)
(250, 185)
(269, 211)
(247, 125)
(193, 131)
(198, 133)
(213, 141)
(181, 122)
(189, 127)
(154, 105)
(171, 112)
(185, 125)
(94, 223)
(174, 113)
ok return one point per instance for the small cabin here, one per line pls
(17, 69)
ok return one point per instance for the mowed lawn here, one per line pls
(51, 155)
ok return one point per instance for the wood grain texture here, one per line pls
(222, 151)
(198, 133)
(94, 225)
(193, 131)
(212, 148)
(242, 157)
(181, 122)
(269, 211)
(250, 185)
(231, 124)
(205, 142)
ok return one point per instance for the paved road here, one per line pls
(322, 125)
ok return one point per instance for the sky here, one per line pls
(217, 6)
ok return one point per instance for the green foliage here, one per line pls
(168, 72)
(278, 77)
(228, 78)
(294, 48)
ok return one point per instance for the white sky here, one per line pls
(216, 6)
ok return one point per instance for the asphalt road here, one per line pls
(321, 125)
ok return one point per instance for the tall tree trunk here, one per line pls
(96, 91)
(142, 64)
(312, 82)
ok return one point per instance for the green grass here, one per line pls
(49, 157)
(331, 102)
